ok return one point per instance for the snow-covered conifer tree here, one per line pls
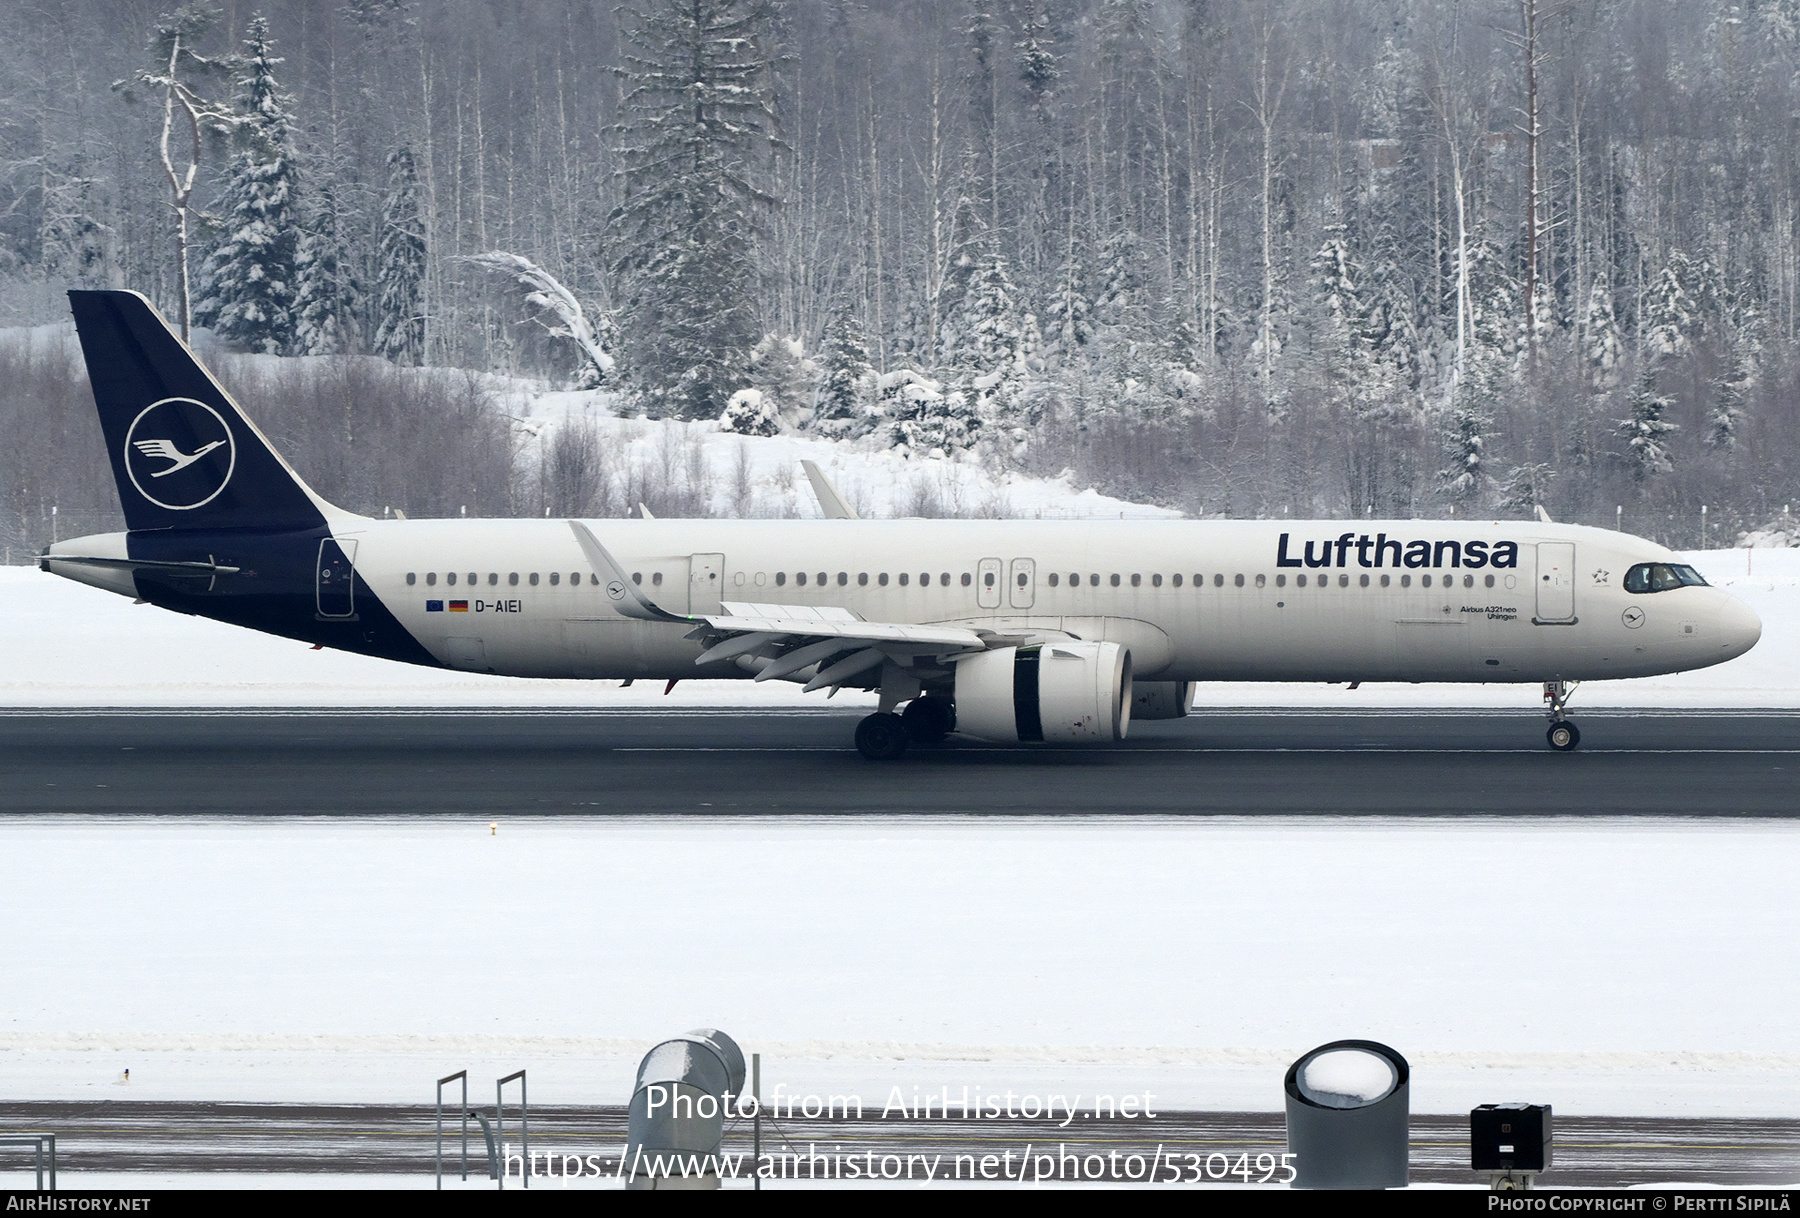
(399, 313)
(1671, 314)
(1070, 324)
(1602, 349)
(993, 342)
(786, 378)
(1646, 432)
(247, 288)
(1465, 478)
(847, 390)
(326, 293)
(695, 138)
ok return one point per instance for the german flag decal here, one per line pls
(459, 606)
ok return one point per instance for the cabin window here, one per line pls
(1363, 580)
(493, 579)
(987, 579)
(761, 578)
(474, 578)
(656, 579)
(738, 579)
(1300, 581)
(451, 579)
(862, 579)
(967, 579)
(534, 579)
(843, 578)
(1115, 580)
(944, 579)
(1156, 581)
(1489, 581)
(1176, 579)
(1385, 580)
(781, 579)
(594, 578)
(1053, 579)
(513, 579)
(1240, 581)
(1218, 581)
(412, 577)
(556, 578)
(822, 579)
(1406, 581)
(1261, 580)
(1280, 580)
(904, 577)
(1094, 580)
(1137, 581)
(1343, 581)
(637, 577)
(882, 579)
(800, 579)
(1425, 581)
(1468, 581)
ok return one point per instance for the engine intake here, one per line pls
(1061, 692)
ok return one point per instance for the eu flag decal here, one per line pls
(434, 606)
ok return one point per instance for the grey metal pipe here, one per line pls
(676, 1122)
(1347, 1109)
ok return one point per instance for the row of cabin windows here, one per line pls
(1054, 579)
(474, 577)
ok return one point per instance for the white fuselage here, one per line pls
(1399, 600)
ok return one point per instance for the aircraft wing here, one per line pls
(791, 637)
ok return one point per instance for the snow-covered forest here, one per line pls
(1245, 257)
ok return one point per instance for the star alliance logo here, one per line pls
(179, 454)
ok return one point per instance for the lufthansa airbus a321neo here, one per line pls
(1007, 630)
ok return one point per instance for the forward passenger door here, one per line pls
(1555, 581)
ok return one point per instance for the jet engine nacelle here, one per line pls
(1161, 699)
(1064, 692)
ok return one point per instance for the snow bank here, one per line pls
(65, 644)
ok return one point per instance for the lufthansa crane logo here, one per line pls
(179, 453)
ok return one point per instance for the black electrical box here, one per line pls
(1509, 1138)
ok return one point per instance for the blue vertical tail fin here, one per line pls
(184, 454)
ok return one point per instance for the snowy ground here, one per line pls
(1639, 968)
(65, 644)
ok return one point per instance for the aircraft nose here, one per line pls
(1739, 627)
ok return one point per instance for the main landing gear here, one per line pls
(1563, 734)
(926, 721)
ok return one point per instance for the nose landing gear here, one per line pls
(1563, 735)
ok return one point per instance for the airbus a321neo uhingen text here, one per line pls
(1007, 630)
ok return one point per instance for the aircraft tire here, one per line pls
(1563, 737)
(928, 720)
(881, 737)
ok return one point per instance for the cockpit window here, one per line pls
(1661, 577)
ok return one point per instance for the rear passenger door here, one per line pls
(1022, 586)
